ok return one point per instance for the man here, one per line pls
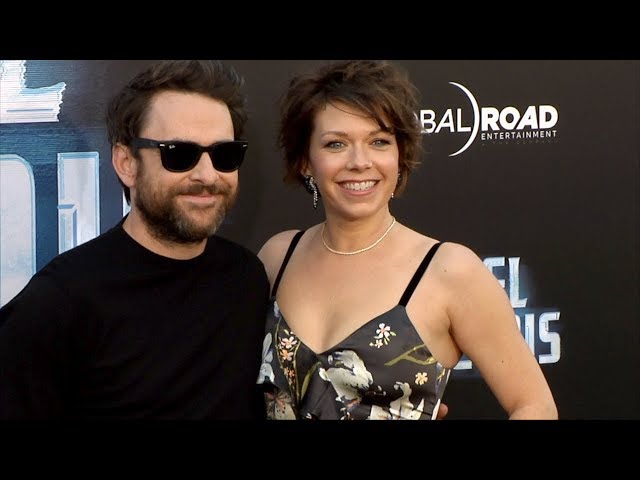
(157, 317)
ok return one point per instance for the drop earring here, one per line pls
(313, 189)
(393, 194)
(313, 186)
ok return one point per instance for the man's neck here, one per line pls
(137, 229)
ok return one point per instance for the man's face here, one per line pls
(184, 207)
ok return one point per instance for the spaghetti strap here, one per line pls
(418, 275)
(292, 246)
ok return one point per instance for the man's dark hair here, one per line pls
(127, 110)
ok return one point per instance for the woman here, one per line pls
(369, 316)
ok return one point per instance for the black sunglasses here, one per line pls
(178, 156)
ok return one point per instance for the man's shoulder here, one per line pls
(229, 250)
(84, 256)
(238, 258)
(216, 242)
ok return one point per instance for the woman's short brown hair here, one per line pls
(378, 88)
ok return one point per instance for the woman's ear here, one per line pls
(305, 171)
(125, 165)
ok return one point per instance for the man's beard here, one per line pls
(167, 220)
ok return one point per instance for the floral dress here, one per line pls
(382, 371)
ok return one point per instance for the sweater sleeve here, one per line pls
(35, 351)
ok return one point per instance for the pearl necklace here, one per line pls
(362, 249)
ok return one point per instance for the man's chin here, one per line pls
(199, 229)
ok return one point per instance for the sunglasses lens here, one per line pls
(183, 156)
(180, 157)
(228, 156)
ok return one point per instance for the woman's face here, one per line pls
(354, 161)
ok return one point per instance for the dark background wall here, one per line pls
(566, 205)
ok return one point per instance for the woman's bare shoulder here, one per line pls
(278, 242)
(453, 260)
(454, 254)
(274, 249)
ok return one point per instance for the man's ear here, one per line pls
(125, 165)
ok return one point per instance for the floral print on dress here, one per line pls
(381, 338)
(287, 345)
(278, 403)
(286, 349)
(352, 381)
(266, 371)
(402, 408)
(422, 378)
(349, 377)
(279, 406)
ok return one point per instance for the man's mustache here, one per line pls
(215, 189)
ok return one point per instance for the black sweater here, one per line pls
(112, 330)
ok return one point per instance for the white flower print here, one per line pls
(266, 372)
(349, 377)
(383, 332)
(402, 408)
(279, 406)
(288, 343)
(421, 378)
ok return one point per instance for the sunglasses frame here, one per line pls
(166, 146)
